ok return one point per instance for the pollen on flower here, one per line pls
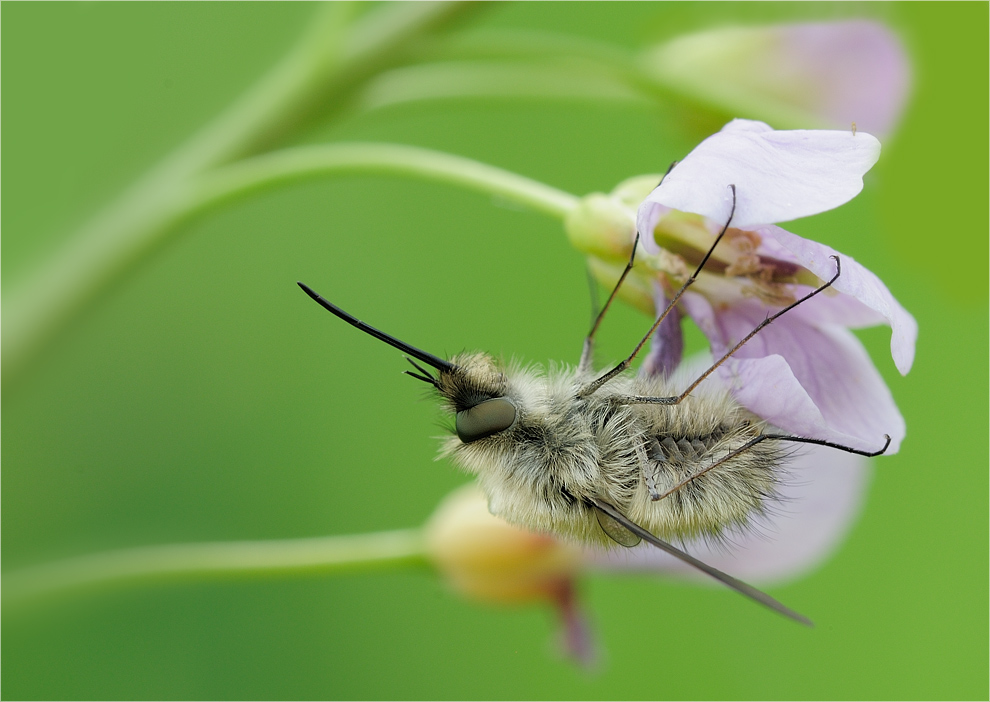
(745, 244)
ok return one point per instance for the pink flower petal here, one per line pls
(859, 70)
(820, 499)
(828, 308)
(810, 380)
(843, 310)
(778, 175)
(857, 282)
(667, 346)
(855, 409)
(827, 74)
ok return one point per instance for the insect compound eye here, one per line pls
(484, 419)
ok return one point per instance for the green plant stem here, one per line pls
(305, 162)
(233, 559)
(73, 281)
(496, 80)
(332, 56)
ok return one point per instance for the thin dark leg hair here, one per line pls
(773, 437)
(594, 385)
(426, 376)
(642, 400)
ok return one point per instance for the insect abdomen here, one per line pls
(683, 496)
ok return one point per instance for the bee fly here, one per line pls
(610, 458)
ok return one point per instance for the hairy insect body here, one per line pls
(610, 458)
(563, 453)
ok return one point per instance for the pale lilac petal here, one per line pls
(855, 409)
(700, 310)
(647, 216)
(828, 308)
(843, 310)
(858, 71)
(821, 498)
(857, 282)
(778, 175)
(813, 381)
(667, 347)
(828, 74)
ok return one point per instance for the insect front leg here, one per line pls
(591, 387)
(587, 352)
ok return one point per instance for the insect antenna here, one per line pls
(724, 578)
(595, 384)
(427, 358)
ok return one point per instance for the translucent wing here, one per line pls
(615, 531)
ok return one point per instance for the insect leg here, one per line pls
(643, 400)
(649, 476)
(595, 384)
(596, 307)
(724, 578)
(589, 340)
(770, 437)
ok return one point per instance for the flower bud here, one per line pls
(604, 227)
(601, 226)
(486, 558)
(825, 74)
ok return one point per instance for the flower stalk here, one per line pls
(90, 265)
(204, 561)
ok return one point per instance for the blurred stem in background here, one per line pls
(68, 283)
(336, 52)
(228, 559)
(479, 555)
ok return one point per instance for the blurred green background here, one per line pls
(205, 398)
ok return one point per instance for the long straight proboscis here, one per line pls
(724, 578)
(427, 358)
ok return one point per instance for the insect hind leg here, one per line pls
(769, 437)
